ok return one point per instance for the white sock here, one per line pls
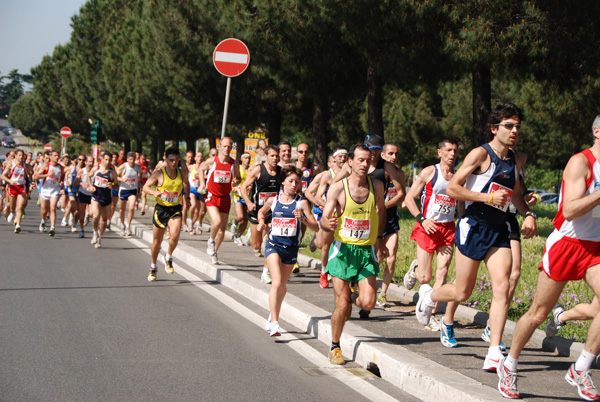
(168, 257)
(265, 270)
(269, 319)
(153, 266)
(323, 270)
(511, 363)
(211, 240)
(494, 351)
(585, 360)
(427, 300)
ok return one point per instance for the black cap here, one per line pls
(373, 141)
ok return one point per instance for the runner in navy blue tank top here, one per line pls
(487, 181)
(281, 250)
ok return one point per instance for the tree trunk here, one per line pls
(127, 146)
(138, 145)
(161, 148)
(274, 127)
(154, 152)
(482, 103)
(320, 132)
(374, 102)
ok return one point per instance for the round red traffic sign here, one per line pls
(65, 132)
(231, 57)
(47, 147)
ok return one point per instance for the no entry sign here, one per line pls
(65, 132)
(231, 57)
(48, 148)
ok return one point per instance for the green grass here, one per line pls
(532, 252)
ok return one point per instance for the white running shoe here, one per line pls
(424, 311)
(71, 220)
(10, 218)
(73, 229)
(554, 324)
(210, 250)
(258, 253)
(275, 329)
(214, 259)
(507, 381)
(268, 324)
(64, 222)
(94, 238)
(491, 362)
(98, 243)
(410, 278)
(583, 381)
(43, 227)
(17, 228)
(185, 228)
(434, 324)
(198, 229)
(265, 277)
(238, 240)
(233, 227)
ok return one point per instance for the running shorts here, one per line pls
(83, 198)
(162, 215)
(288, 255)
(392, 224)
(72, 191)
(475, 238)
(14, 191)
(47, 194)
(222, 203)
(125, 194)
(253, 216)
(430, 243)
(567, 259)
(352, 263)
(513, 227)
(115, 193)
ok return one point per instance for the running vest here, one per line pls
(316, 209)
(171, 189)
(71, 179)
(243, 176)
(306, 177)
(131, 176)
(220, 176)
(17, 174)
(379, 172)
(53, 181)
(359, 223)
(501, 174)
(145, 172)
(194, 181)
(83, 190)
(587, 226)
(438, 205)
(266, 185)
(285, 228)
(101, 181)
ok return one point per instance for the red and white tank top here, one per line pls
(585, 227)
(220, 176)
(53, 181)
(17, 174)
(437, 205)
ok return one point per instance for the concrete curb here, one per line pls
(399, 366)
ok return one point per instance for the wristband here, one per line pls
(420, 218)
(261, 220)
(491, 198)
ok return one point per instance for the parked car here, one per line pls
(8, 142)
(549, 198)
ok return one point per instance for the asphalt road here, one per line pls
(83, 324)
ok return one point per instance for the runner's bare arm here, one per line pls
(262, 212)
(309, 220)
(396, 176)
(253, 174)
(575, 202)
(153, 180)
(415, 191)
(334, 199)
(311, 190)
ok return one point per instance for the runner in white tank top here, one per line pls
(129, 175)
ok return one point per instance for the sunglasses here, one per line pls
(509, 126)
(303, 151)
(375, 148)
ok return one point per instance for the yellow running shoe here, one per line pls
(335, 356)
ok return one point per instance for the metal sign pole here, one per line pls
(226, 106)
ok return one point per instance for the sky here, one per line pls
(30, 29)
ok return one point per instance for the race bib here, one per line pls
(359, 229)
(286, 227)
(222, 176)
(495, 187)
(262, 197)
(304, 186)
(100, 182)
(170, 196)
(130, 181)
(195, 183)
(391, 193)
(19, 176)
(444, 204)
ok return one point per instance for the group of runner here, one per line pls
(351, 205)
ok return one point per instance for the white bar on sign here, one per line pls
(231, 57)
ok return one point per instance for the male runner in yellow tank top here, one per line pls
(170, 183)
(354, 209)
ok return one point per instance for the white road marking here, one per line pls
(303, 349)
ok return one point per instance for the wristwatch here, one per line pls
(531, 214)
